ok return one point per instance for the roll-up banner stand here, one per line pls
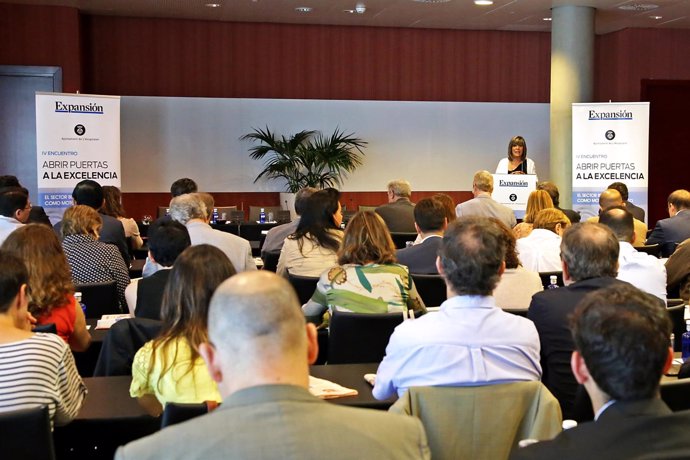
(610, 144)
(77, 138)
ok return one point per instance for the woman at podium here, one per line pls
(517, 161)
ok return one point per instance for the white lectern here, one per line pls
(513, 190)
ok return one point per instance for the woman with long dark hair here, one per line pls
(112, 207)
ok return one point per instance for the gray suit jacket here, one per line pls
(485, 206)
(284, 422)
(398, 215)
(421, 258)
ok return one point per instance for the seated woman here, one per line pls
(169, 368)
(540, 251)
(517, 285)
(367, 279)
(112, 206)
(90, 260)
(35, 369)
(313, 247)
(538, 200)
(52, 292)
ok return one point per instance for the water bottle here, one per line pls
(685, 354)
(553, 282)
(214, 217)
(262, 216)
(77, 297)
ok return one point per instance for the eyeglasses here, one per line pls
(28, 206)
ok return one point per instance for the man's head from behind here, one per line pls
(188, 206)
(622, 189)
(589, 250)
(167, 240)
(258, 334)
(12, 277)
(89, 193)
(399, 188)
(610, 197)
(677, 201)
(483, 181)
(14, 203)
(620, 221)
(471, 256)
(552, 190)
(622, 334)
(302, 199)
(430, 215)
(182, 186)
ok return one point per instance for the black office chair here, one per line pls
(652, 250)
(48, 328)
(400, 239)
(676, 394)
(431, 288)
(677, 318)
(100, 298)
(26, 434)
(236, 217)
(546, 278)
(271, 260)
(304, 286)
(177, 413)
(360, 337)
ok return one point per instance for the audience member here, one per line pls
(183, 186)
(552, 190)
(190, 210)
(430, 222)
(678, 272)
(112, 206)
(35, 369)
(37, 215)
(90, 260)
(537, 200)
(482, 204)
(540, 251)
(517, 285)
(52, 292)
(367, 278)
(621, 352)
(637, 268)
(610, 198)
(313, 247)
(398, 213)
(14, 210)
(589, 253)
(448, 205)
(169, 368)
(167, 239)
(470, 341)
(637, 212)
(676, 228)
(276, 236)
(90, 193)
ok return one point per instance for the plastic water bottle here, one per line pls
(262, 216)
(553, 282)
(77, 297)
(685, 354)
(214, 217)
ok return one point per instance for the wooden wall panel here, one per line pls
(170, 57)
(42, 36)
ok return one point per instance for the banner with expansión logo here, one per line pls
(610, 144)
(77, 138)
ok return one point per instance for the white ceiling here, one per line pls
(513, 15)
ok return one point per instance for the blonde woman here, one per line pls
(541, 250)
(538, 200)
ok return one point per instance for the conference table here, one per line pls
(86, 360)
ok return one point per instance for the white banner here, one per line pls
(77, 138)
(610, 144)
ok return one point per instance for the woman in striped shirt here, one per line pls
(35, 369)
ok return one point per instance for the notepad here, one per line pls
(107, 321)
(325, 389)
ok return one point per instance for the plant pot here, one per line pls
(287, 202)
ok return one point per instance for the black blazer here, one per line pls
(550, 311)
(671, 230)
(625, 430)
(421, 258)
(150, 295)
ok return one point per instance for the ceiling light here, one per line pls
(212, 5)
(655, 17)
(545, 19)
(432, 1)
(638, 7)
(360, 8)
(303, 9)
(483, 2)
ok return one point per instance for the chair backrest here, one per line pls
(400, 239)
(364, 207)
(255, 211)
(236, 217)
(283, 217)
(49, 328)
(100, 298)
(271, 261)
(546, 278)
(304, 285)
(178, 412)
(677, 314)
(360, 337)
(225, 210)
(122, 342)
(163, 211)
(431, 288)
(482, 421)
(651, 249)
(26, 434)
(676, 394)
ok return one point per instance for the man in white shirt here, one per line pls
(469, 341)
(14, 210)
(482, 204)
(189, 209)
(637, 268)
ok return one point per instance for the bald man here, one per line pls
(259, 352)
(612, 197)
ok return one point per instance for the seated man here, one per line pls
(37, 214)
(675, 229)
(470, 341)
(589, 256)
(398, 213)
(259, 351)
(14, 210)
(610, 198)
(678, 272)
(621, 351)
(482, 204)
(637, 268)
(190, 210)
(276, 235)
(430, 222)
(167, 239)
(637, 212)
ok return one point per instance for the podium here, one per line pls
(513, 190)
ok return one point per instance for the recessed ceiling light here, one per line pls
(212, 5)
(638, 7)
(303, 9)
(656, 17)
(483, 2)
(545, 19)
(349, 11)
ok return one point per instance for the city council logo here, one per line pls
(79, 130)
(610, 135)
